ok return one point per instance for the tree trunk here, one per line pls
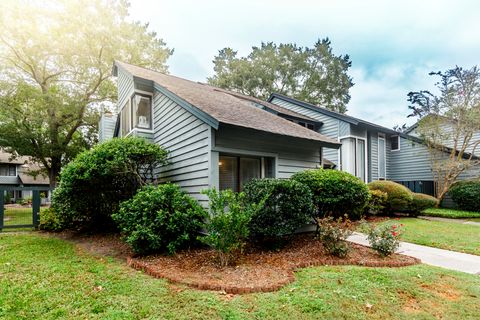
(54, 171)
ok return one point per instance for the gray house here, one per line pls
(222, 139)
(215, 138)
(372, 152)
(14, 172)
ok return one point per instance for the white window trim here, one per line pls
(130, 111)
(366, 152)
(398, 139)
(381, 136)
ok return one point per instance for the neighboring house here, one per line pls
(215, 138)
(14, 173)
(372, 152)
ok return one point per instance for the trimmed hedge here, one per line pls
(335, 193)
(162, 218)
(96, 181)
(421, 202)
(376, 202)
(287, 206)
(466, 194)
(399, 197)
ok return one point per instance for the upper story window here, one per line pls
(141, 112)
(8, 170)
(307, 125)
(136, 114)
(395, 143)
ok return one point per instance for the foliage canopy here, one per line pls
(313, 75)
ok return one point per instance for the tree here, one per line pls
(314, 75)
(56, 59)
(449, 124)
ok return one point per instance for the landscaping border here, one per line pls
(143, 266)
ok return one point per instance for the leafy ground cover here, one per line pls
(450, 213)
(50, 278)
(440, 234)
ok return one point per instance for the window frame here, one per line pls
(382, 136)
(398, 142)
(262, 164)
(365, 147)
(9, 166)
(150, 98)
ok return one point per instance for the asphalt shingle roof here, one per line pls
(230, 107)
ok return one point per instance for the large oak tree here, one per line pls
(56, 59)
(315, 75)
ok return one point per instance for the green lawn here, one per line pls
(450, 213)
(16, 216)
(47, 278)
(444, 235)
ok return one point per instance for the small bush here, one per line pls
(227, 226)
(422, 202)
(399, 197)
(49, 220)
(93, 184)
(333, 235)
(162, 218)
(335, 193)
(384, 239)
(287, 206)
(377, 201)
(466, 194)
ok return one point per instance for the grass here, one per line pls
(450, 213)
(49, 278)
(17, 216)
(440, 234)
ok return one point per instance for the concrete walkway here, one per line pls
(461, 221)
(452, 260)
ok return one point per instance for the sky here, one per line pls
(393, 45)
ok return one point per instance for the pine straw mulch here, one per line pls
(257, 270)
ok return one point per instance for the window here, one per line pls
(353, 157)
(235, 172)
(8, 170)
(141, 112)
(395, 143)
(382, 169)
(125, 119)
(136, 113)
(307, 125)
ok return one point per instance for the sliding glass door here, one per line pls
(236, 171)
(353, 157)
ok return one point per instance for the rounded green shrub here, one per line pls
(421, 202)
(376, 202)
(49, 220)
(93, 184)
(287, 206)
(466, 194)
(335, 193)
(399, 197)
(159, 218)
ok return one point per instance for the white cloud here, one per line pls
(393, 44)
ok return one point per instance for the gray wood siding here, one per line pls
(373, 155)
(106, 127)
(410, 163)
(291, 155)
(330, 126)
(188, 141)
(125, 88)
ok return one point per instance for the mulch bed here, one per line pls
(257, 270)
